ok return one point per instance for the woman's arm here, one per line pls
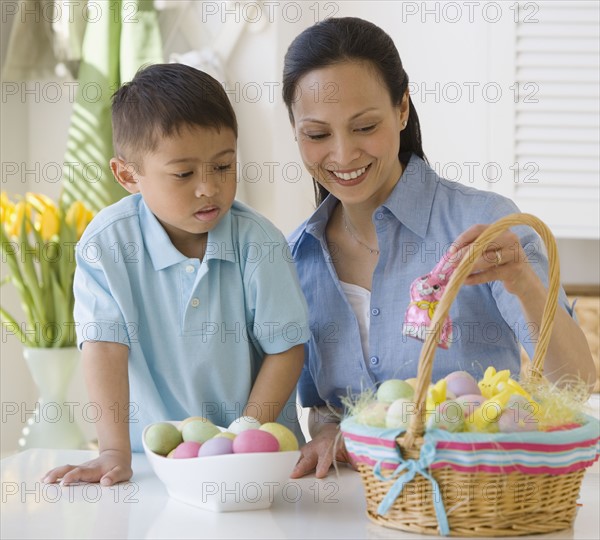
(568, 350)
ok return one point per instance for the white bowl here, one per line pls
(227, 483)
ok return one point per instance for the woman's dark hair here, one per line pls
(160, 100)
(332, 41)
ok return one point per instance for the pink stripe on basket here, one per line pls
(554, 471)
(365, 459)
(532, 447)
(370, 440)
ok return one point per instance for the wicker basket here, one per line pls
(424, 491)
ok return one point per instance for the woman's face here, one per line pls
(348, 131)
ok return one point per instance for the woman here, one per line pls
(384, 217)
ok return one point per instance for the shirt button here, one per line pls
(195, 302)
(374, 360)
(189, 268)
(379, 215)
(375, 311)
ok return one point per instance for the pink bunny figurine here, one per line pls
(425, 293)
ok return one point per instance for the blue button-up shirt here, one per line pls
(197, 331)
(417, 223)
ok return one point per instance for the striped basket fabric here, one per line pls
(555, 452)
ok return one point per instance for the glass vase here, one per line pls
(52, 423)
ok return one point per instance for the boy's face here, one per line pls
(188, 182)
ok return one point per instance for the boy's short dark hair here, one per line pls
(160, 100)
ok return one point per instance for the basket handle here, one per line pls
(478, 247)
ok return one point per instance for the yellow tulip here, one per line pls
(7, 207)
(78, 216)
(39, 202)
(21, 211)
(49, 222)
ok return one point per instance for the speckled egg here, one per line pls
(162, 437)
(461, 383)
(255, 440)
(243, 423)
(216, 446)
(394, 389)
(186, 450)
(199, 431)
(399, 414)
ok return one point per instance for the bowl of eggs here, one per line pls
(241, 467)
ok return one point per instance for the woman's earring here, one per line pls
(404, 124)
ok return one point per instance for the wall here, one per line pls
(433, 51)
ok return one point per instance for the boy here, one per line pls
(187, 301)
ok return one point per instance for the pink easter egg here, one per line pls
(255, 440)
(461, 383)
(470, 402)
(513, 420)
(185, 450)
(216, 447)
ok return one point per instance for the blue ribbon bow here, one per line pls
(411, 467)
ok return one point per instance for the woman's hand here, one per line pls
(110, 467)
(317, 455)
(503, 260)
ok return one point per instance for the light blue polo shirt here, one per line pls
(197, 331)
(418, 222)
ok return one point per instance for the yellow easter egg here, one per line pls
(287, 439)
(225, 434)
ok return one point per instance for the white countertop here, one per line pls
(330, 508)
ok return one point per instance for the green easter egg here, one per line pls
(394, 389)
(161, 438)
(287, 439)
(199, 431)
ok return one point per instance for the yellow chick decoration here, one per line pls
(491, 379)
(436, 394)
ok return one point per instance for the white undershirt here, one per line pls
(360, 302)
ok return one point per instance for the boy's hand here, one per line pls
(317, 455)
(110, 467)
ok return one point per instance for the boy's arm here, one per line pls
(276, 381)
(106, 376)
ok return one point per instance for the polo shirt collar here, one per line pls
(164, 254)
(410, 201)
(158, 244)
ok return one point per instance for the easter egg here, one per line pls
(461, 383)
(170, 454)
(448, 416)
(519, 419)
(394, 389)
(162, 437)
(412, 381)
(255, 440)
(469, 402)
(287, 439)
(242, 424)
(192, 419)
(517, 401)
(399, 413)
(216, 446)
(186, 450)
(225, 434)
(373, 414)
(199, 431)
